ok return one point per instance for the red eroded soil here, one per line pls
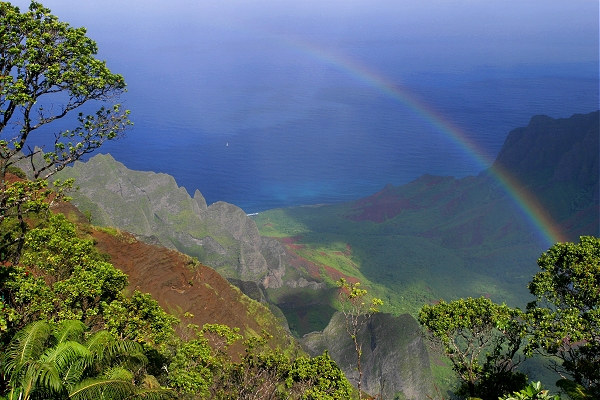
(171, 278)
(335, 275)
(313, 269)
(292, 242)
(381, 206)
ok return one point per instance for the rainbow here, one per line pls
(527, 203)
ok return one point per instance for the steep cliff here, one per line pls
(156, 210)
(395, 360)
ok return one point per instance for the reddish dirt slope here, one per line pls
(179, 284)
(381, 206)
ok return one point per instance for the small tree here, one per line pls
(565, 317)
(532, 392)
(482, 340)
(48, 70)
(357, 309)
(61, 276)
(318, 378)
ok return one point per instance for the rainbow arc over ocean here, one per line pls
(531, 209)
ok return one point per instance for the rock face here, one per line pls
(395, 360)
(156, 210)
(554, 150)
(558, 159)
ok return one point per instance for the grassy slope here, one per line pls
(405, 260)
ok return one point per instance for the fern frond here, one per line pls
(27, 344)
(69, 330)
(46, 376)
(154, 394)
(74, 372)
(99, 341)
(119, 373)
(97, 388)
(108, 349)
(64, 354)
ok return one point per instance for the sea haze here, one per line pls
(268, 103)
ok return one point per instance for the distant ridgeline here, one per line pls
(557, 161)
(436, 237)
(549, 169)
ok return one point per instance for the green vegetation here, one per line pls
(393, 259)
(532, 392)
(204, 371)
(48, 72)
(48, 360)
(357, 310)
(565, 317)
(68, 330)
(484, 340)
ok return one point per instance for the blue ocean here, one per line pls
(276, 104)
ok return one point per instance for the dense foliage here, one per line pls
(48, 71)
(533, 391)
(200, 370)
(565, 318)
(58, 360)
(483, 340)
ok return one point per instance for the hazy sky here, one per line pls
(454, 32)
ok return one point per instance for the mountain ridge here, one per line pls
(435, 237)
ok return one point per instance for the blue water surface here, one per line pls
(273, 104)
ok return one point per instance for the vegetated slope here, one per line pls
(181, 284)
(554, 160)
(221, 235)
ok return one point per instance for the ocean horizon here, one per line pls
(277, 104)
(352, 140)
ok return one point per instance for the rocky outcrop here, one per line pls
(552, 150)
(154, 208)
(222, 236)
(395, 360)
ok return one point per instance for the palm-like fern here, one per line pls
(53, 361)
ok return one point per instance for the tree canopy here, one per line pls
(565, 317)
(48, 72)
(482, 340)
